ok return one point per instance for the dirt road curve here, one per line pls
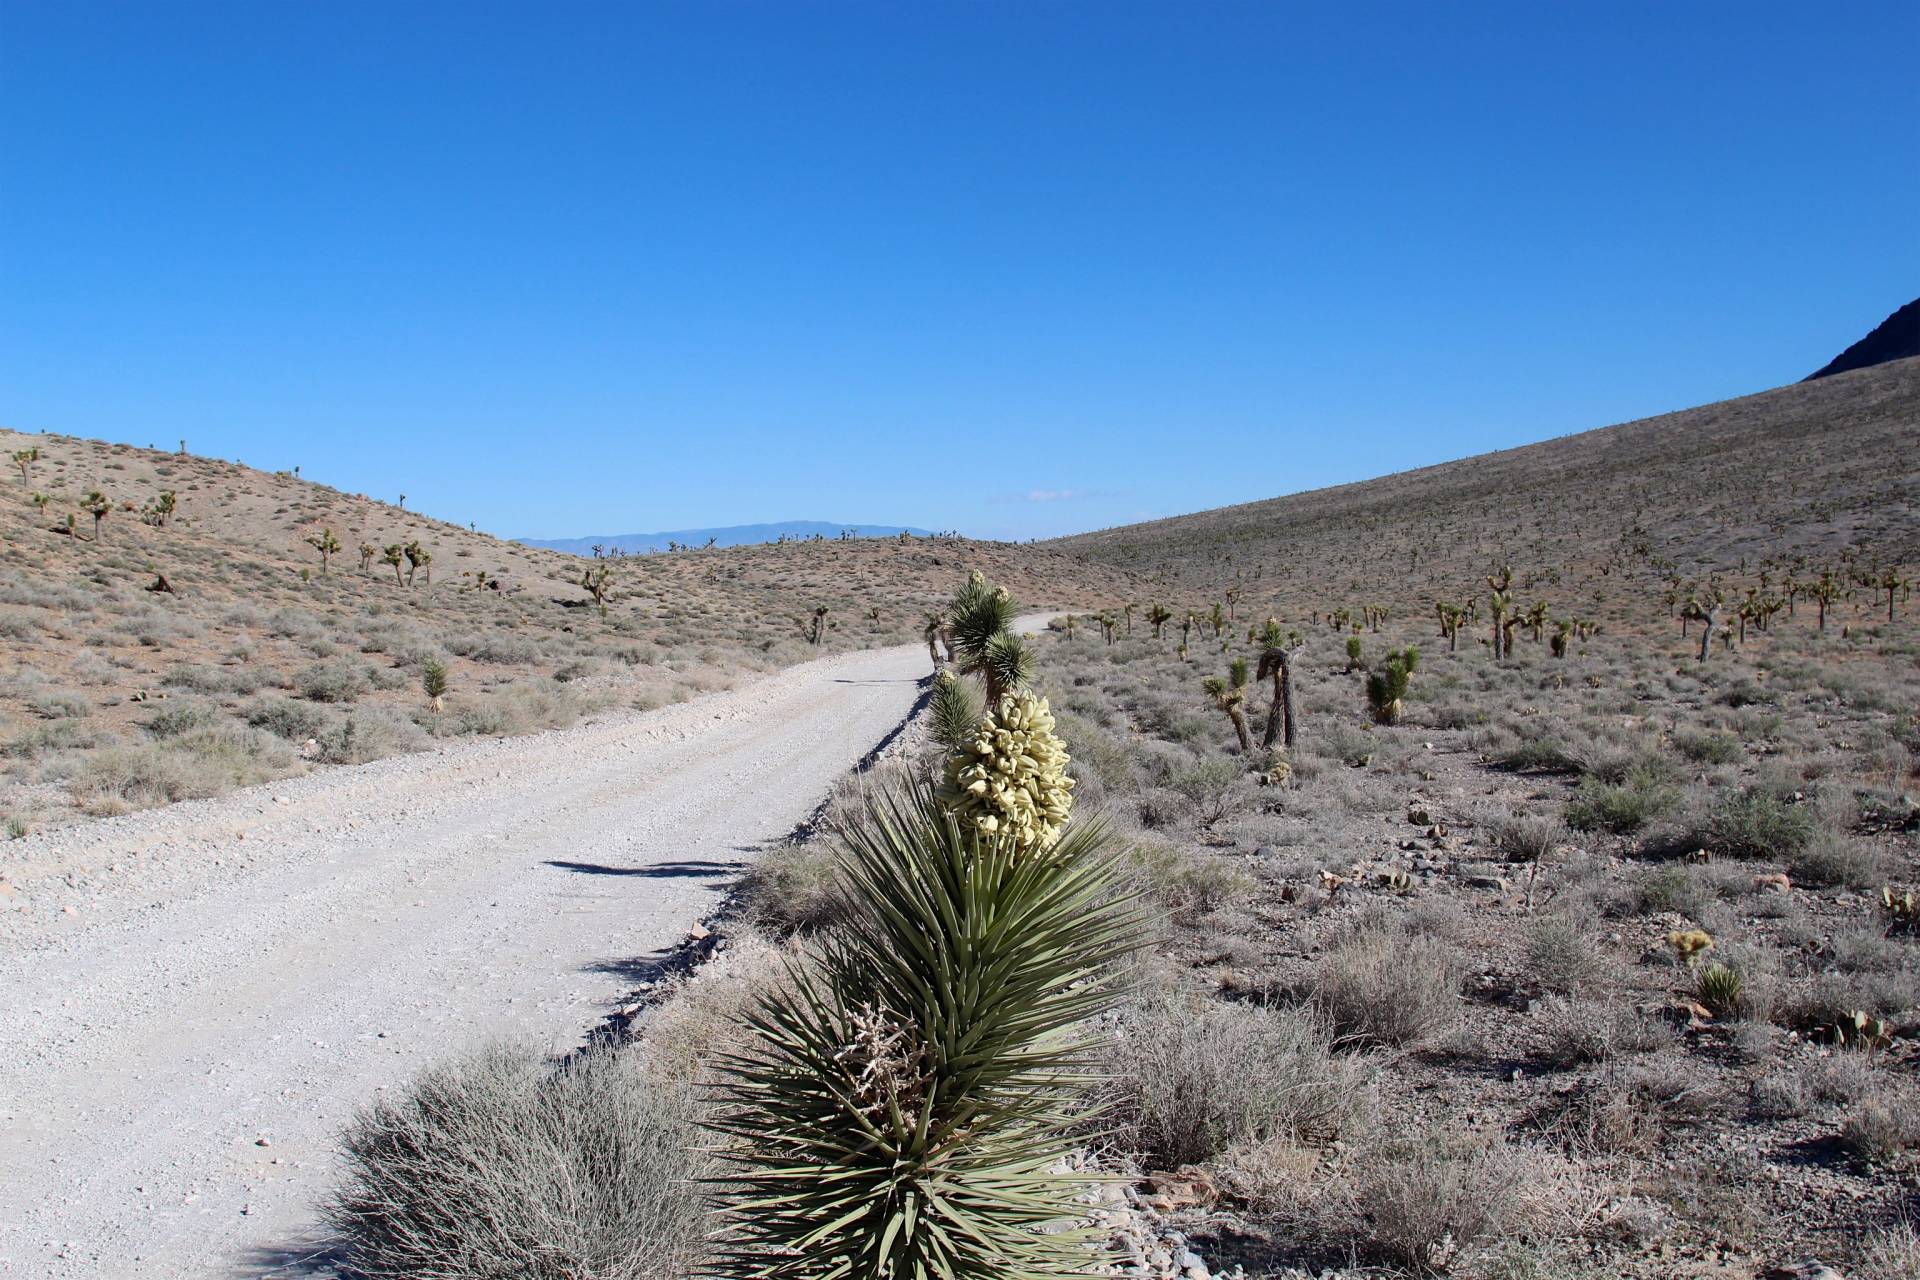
(194, 1006)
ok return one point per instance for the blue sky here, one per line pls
(1019, 269)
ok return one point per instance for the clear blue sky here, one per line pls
(1015, 268)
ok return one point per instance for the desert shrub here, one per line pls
(288, 718)
(1424, 1198)
(521, 708)
(495, 649)
(1350, 746)
(181, 715)
(1831, 858)
(1563, 955)
(1707, 748)
(1892, 1253)
(198, 679)
(1621, 807)
(1192, 1077)
(369, 734)
(1764, 821)
(199, 763)
(501, 1164)
(794, 889)
(1385, 984)
(1214, 790)
(1880, 1126)
(1576, 1031)
(55, 737)
(59, 704)
(1525, 837)
(335, 681)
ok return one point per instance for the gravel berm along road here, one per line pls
(193, 1009)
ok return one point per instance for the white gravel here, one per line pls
(194, 1000)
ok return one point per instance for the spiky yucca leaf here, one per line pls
(955, 711)
(912, 1089)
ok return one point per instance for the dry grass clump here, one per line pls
(1386, 984)
(502, 1164)
(1191, 1079)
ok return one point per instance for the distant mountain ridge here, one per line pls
(1895, 338)
(737, 535)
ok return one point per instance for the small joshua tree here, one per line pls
(96, 504)
(367, 552)
(597, 580)
(1536, 619)
(1230, 698)
(1127, 611)
(433, 683)
(1451, 618)
(418, 557)
(394, 555)
(40, 501)
(1500, 601)
(1186, 631)
(819, 626)
(1889, 581)
(1217, 619)
(326, 544)
(1387, 685)
(1276, 664)
(160, 510)
(1824, 593)
(24, 459)
(1354, 659)
(1108, 625)
(934, 625)
(1558, 643)
(1158, 616)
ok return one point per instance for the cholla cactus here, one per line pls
(1011, 779)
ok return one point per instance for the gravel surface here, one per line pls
(195, 999)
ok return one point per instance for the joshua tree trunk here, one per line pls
(1239, 719)
(1707, 625)
(1280, 717)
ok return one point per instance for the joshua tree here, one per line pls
(1387, 685)
(326, 544)
(367, 552)
(1824, 593)
(24, 459)
(160, 510)
(402, 504)
(1159, 616)
(40, 501)
(1233, 600)
(983, 633)
(1707, 614)
(1217, 619)
(1537, 618)
(96, 505)
(1558, 643)
(1230, 696)
(1499, 584)
(1186, 630)
(1890, 581)
(1126, 611)
(1451, 616)
(1108, 625)
(1354, 661)
(1276, 664)
(393, 555)
(934, 624)
(819, 631)
(418, 557)
(597, 580)
(433, 682)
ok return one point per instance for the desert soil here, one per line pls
(194, 1000)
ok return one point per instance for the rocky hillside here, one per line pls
(185, 644)
(1818, 474)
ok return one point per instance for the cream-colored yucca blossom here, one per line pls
(1011, 778)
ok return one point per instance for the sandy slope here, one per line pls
(194, 1004)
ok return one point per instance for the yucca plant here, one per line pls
(911, 1092)
(433, 683)
(1230, 698)
(1721, 988)
(982, 620)
(1355, 654)
(954, 710)
(1387, 685)
(393, 555)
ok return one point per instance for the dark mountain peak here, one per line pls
(1897, 338)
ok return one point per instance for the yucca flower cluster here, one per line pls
(1011, 776)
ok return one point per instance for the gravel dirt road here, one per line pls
(194, 1000)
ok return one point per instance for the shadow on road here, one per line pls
(654, 871)
(315, 1259)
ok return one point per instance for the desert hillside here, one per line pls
(261, 660)
(1815, 475)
